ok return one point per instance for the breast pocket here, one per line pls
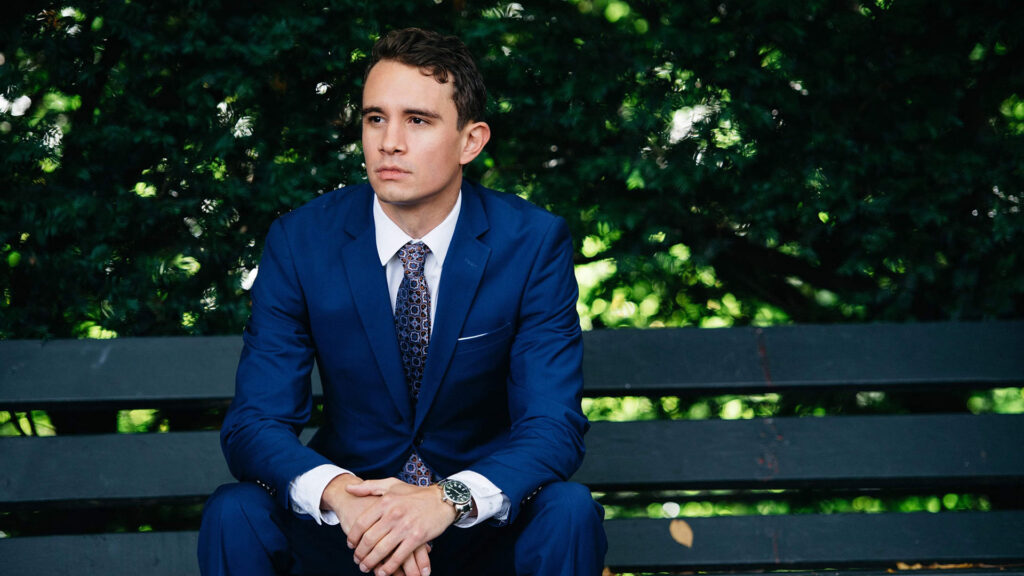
(485, 339)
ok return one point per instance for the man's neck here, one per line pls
(417, 220)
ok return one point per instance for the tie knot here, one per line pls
(412, 256)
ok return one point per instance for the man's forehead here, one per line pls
(407, 72)
(391, 83)
(428, 71)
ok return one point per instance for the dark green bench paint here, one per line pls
(844, 455)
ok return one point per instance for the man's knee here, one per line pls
(240, 533)
(563, 532)
(237, 505)
(229, 498)
(571, 501)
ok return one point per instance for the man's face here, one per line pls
(413, 149)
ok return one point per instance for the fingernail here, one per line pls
(425, 572)
(363, 568)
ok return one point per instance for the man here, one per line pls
(442, 318)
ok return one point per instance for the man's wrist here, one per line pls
(457, 495)
(451, 515)
(335, 491)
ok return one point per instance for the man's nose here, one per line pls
(393, 141)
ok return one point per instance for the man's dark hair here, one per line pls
(442, 57)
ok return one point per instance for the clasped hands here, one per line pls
(388, 523)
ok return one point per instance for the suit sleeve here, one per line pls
(273, 397)
(545, 382)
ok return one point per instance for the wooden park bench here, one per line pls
(820, 492)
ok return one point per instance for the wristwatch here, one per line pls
(457, 494)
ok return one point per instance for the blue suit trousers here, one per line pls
(559, 532)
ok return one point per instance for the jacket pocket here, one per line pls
(479, 340)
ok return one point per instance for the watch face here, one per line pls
(457, 492)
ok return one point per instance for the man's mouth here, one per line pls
(391, 172)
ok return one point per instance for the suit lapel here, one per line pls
(463, 268)
(370, 291)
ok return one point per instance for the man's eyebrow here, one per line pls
(407, 112)
(418, 112)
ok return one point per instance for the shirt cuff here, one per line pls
(490, 501)
(306, 491)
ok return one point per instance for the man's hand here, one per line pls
(348, 507)
(400, 522)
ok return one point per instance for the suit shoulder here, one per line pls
(513, 210)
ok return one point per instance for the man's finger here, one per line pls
(385, 549)
(364, 522)
(422, 555)
(399, 557)
(377, 543)
(371, 487)
(411, 566)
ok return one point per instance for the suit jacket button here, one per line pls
(530, 497)
(270, 490)
(418, 441)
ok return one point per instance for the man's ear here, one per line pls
(474, 138)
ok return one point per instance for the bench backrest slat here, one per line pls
(937, 451)
(756, 360)
(955, 452)
(146, 372)
(151, 372)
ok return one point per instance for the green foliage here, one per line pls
(719, 164)
(725, 407)
(745, 407)
(140, 421)
(33, 423)
(775, 161)
(690, 504)
(161, 142)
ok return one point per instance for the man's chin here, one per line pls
(389, 193)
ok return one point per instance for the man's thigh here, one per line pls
(482, 549)
(560, 531)
(244, 531)
(318, 549)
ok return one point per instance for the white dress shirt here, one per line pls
(307, 489)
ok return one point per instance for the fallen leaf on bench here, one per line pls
(681, 532)
(935, 566)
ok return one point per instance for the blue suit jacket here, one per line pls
(502, 384)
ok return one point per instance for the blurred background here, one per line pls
(719, 163)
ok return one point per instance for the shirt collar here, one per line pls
(391, 238)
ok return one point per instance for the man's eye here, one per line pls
(416, 120)
(374, 119)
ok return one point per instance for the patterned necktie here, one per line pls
(412, 323)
